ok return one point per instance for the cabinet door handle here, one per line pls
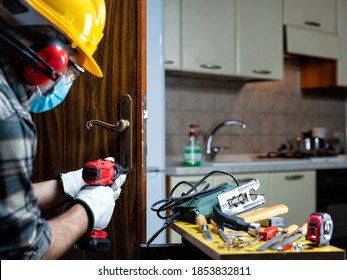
(294, 177)
(211, 66)
(262, 72)
(169, 61)
(312, 23)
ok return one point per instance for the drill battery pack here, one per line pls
(95, 240)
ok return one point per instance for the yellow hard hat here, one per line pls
(81, 21)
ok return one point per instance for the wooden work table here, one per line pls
(214, 250)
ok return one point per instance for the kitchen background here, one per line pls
(275, 112)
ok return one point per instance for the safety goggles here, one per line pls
(68, 76)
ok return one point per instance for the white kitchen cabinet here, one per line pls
(297, 190)
(172, 37)
(318, 15)
(239, 38)
(259, 39)
(342, 33)
(331, 73)
(208, 36)
(311, 28)
(191, 179)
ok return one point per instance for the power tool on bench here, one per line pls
(194, 203)
(100, 172)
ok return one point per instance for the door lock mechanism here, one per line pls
(123, 126)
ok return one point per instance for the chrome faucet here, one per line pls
(211, 152)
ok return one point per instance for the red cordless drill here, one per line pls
(100, 172)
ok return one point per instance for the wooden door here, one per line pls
(65, 144)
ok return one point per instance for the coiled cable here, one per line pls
(166, 204)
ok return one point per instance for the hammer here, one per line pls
(245, 221)
(234, 222)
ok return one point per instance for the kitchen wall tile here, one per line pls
(275, 112)
(206, 102)
(173, 122)
(189, 100)
(174, 145)
(173, 99)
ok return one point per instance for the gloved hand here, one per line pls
(72, 182)
(117, 184)
(99, 203)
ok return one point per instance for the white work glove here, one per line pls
(72, 182)
(99, 203)
(117, 184)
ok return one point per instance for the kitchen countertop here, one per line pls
(247, 163)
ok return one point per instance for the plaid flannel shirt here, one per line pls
(23, 233)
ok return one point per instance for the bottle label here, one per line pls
(192, 158)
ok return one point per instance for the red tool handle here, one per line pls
(268, 233)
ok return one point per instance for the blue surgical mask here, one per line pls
(44, 102)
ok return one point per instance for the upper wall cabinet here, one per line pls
(317, 15)
(241, 38)
(323, 42)
(341, 78)
(311, 28)
(260, 39)
(172, 14)
(208, 36)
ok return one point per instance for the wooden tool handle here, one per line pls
(200, 220)
(214, 224)
(291, 229)
(264, 213)
(303, 229)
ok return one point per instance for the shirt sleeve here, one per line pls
(23, 233)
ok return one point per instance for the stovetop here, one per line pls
(299, 154)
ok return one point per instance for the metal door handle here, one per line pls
(120, 126)
(123, 126)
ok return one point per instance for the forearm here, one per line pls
(49, 194)
(66, 229)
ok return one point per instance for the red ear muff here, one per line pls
(54, 55)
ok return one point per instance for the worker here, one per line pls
(44, 46)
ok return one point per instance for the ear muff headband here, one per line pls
(36, 60)
(54, 54)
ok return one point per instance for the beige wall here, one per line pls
(274, 112)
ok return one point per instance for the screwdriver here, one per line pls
(264, 235)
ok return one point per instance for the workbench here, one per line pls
(191, 233)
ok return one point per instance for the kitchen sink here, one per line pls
(241, 159)
(236, 158)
